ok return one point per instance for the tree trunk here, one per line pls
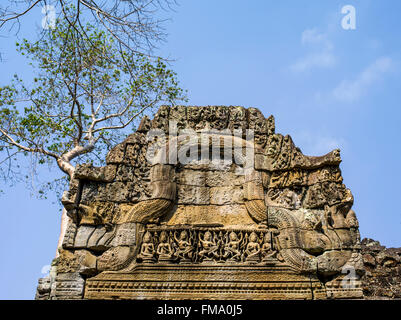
(63, 228)
(64, 163)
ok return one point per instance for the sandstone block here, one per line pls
(116, 155)
(145, 125)
(135, 155)
(94, 191)
(118, 192)
(285, 198)
(125, 235)
(227, 215)
(83, 235)
(257, 121)
(163, 190)
(223, 179)
(368, 259)
(69, 286)
(161, 172)
(253, 191)
(86, 261)
(93, 240)
(226, 195)
(331, 262)
(126, 173)
(103, 174)
(263, 162)
(192, 178)
(388, 258)
(193, 195)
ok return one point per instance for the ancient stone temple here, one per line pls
(208, 203)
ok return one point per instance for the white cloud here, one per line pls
(312, 36)
(316, 144)
(321, 57)
(350, 91)
(314, 60)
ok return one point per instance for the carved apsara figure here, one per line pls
(267, 251)
(184, 250)
(252, 251)
(164, 250)
(231, 248)
(209, 247)
(147, 248)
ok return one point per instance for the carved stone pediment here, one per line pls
(201, 199)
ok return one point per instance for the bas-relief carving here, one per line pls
(288, 213)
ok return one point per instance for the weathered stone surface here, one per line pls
(43, 289)
(96, 240)
(127, 173)
(226, 195)
(163, 190)
(225, 215)
(331, 262)
(115, 258)
(161, 172)
(83, 235)
(103, 174)
(125, 235)
(222, 179)
(144, 125)
(116, 155)
(193, 195)
(192, 178)
(119, 191)
(382, 279)
(302, 177)
(69, 286)
(145, 211)
(256, 220)
(96, 213)
(134, 155)
(369, 260)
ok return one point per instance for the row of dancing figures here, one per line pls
(254, 250)
(182, 249)
(165, 250)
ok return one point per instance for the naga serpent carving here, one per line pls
(162, 199)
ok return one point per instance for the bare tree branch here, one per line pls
(14, 16)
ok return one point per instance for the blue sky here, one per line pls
(327, 87)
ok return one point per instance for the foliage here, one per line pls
(86, 90)
(135, 25)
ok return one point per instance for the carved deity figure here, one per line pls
(231, 248)
(209, 247)
(147, 249)
(252, 251)
(164, 250)
(184, 250)
(267, 251)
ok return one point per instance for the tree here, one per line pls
(95, 76)
(135, 25)
(84, 93)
